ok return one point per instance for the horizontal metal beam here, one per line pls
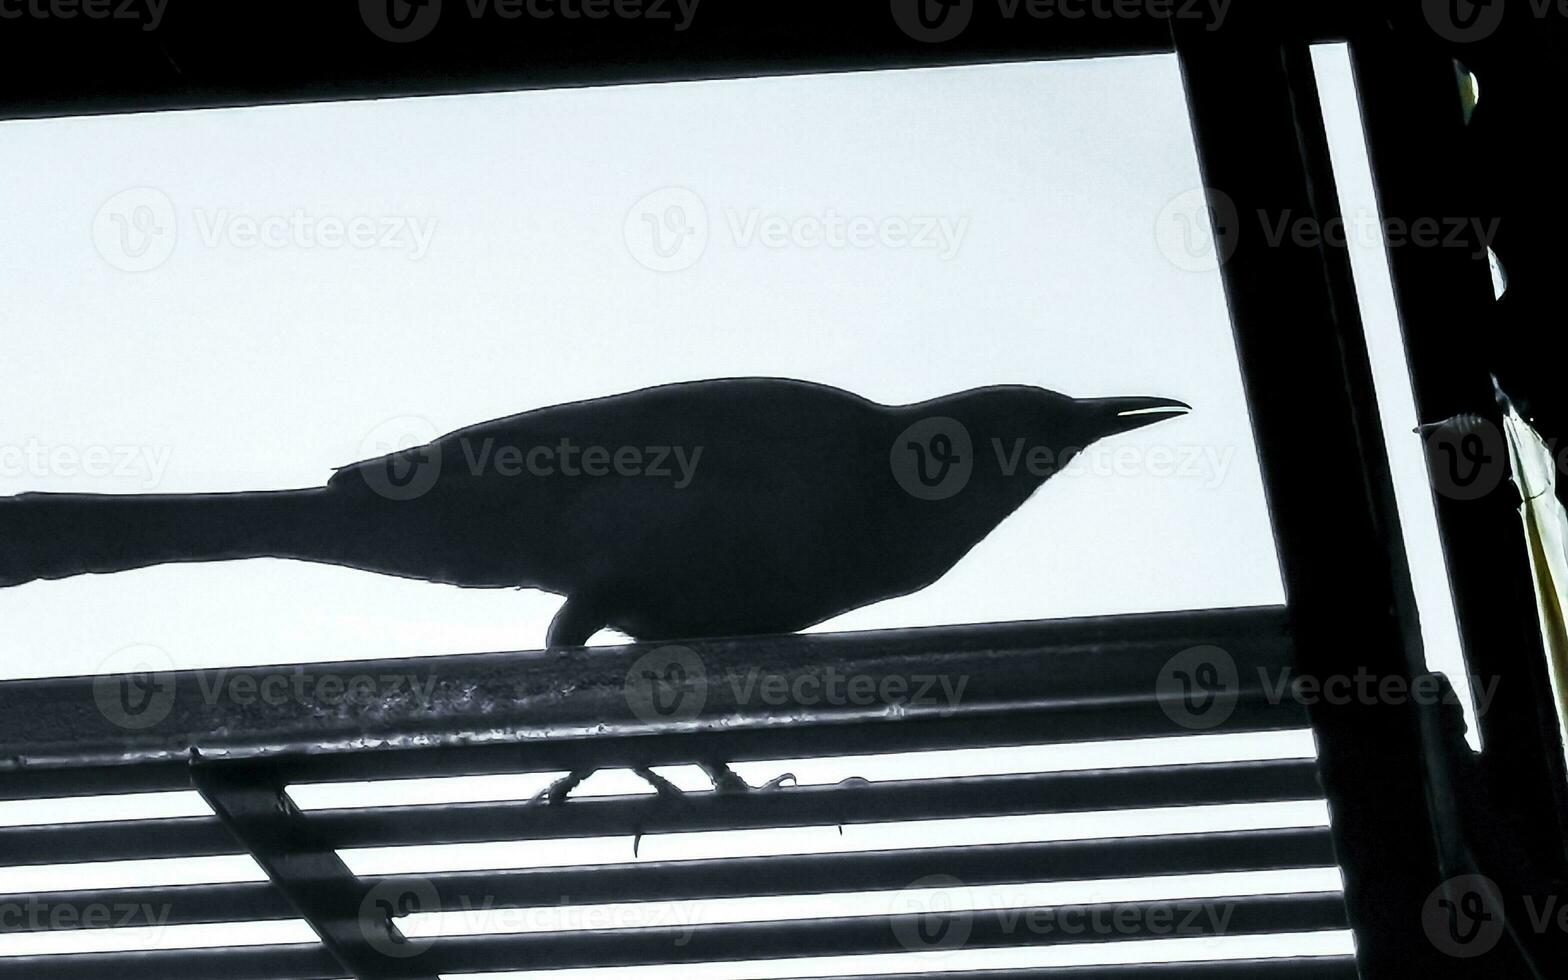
(1100, 672)
(201, 966)
(1129, 921)
(294, 962)
(1161, 786)
(1147, 720)
(1307, 968)
(1261, 850)
(1230, 916)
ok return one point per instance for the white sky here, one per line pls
(236, 366)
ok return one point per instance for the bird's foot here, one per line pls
(556, 793)
(727, 781)
(666, 789)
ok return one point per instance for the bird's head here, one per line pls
(1022, 434)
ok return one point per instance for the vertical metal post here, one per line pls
(1259, 134)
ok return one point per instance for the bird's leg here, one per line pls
(556, 793)
(574, 623)
(727, 780)
(666, 789)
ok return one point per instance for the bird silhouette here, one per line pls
(709, 508)
(703, 509)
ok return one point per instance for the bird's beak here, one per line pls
(1116, 415)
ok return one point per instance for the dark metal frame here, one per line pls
(1390, 772)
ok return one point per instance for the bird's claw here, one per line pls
(551, 795)
(666, 789)
(557, 792)
(727, 781)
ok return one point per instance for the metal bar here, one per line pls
(1326, 474)
(1109, 663)
(451, 758)
(1450, 321)
(1219, 783)
(887, 934)
(296, 962)
(341, 55)
(126, 908)
(1311, 968)
(252, 804)
(1247, 915)
(688, 880)
(1162, 786)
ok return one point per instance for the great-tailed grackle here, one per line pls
(710, 508)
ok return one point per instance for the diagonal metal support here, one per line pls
(353, 920)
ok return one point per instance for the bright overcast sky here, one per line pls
(509, 263)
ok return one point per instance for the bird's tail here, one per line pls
(53, 536)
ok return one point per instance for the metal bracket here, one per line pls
(354, 922)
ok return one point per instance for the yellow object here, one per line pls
(1546, 536)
